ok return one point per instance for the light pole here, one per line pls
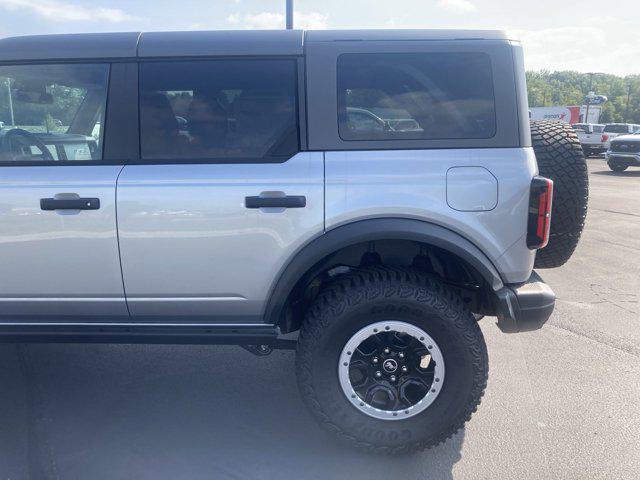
(588, 99)
(11, 116)
(626, 113)
(289, 14)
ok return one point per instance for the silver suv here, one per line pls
(376, 191)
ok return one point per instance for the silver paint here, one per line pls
(413, 184)
(189, 245)
(53, 263)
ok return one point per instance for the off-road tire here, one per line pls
(374, 294)
(616, 167)
(561, 159)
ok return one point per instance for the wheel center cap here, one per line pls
(390, 365)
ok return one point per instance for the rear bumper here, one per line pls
(525, 306)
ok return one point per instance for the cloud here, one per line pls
(311, 20)
(457, 6)
(263, 20)
(271, 20)
(583, 48)
(61, 11)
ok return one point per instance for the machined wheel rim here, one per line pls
(391, 370)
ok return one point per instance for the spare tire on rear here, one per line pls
(561, 159)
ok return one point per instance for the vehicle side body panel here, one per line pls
(59, 262)
(191, 248)
(408, 178)
(413, 184)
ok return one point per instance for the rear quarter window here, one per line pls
(616, 129)
(418, 96)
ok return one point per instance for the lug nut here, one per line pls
(378, 374)
(386, 350)
(375, 359)
(401, 355)
(404, 369)
(392, 378)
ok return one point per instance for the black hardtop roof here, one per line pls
(209, 43)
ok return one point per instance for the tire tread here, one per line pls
(561, 158)
(369, 284)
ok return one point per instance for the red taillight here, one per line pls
(604, 138)
(539, 222)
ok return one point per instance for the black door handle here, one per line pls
(69, 203)
(290, 201)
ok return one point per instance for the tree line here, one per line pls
(547, 89)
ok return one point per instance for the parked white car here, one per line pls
(613, 130)
(591, 137)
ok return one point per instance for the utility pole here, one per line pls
(289, 14)
(626, 113)
(11, 116)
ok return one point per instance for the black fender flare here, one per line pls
(370, 230)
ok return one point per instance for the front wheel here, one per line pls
(617, 167)
(390, 360)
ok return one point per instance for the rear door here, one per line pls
(58, 242)
(222, 195)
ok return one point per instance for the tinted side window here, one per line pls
(52, 112)
(616, 128)
(423, 96)
(218, 109)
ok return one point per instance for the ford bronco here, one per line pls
(377, 192)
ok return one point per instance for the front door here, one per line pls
(223, 195)
(59, 256)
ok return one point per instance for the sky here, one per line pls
(585, 35)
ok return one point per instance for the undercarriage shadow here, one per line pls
(610, 173)
(116, 411)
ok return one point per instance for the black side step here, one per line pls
(193, 334)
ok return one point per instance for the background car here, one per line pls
(613, 130)
(591, 138)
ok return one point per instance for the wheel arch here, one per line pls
(309, 260)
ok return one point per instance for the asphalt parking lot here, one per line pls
(562, 402)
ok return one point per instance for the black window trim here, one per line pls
(300, 114)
